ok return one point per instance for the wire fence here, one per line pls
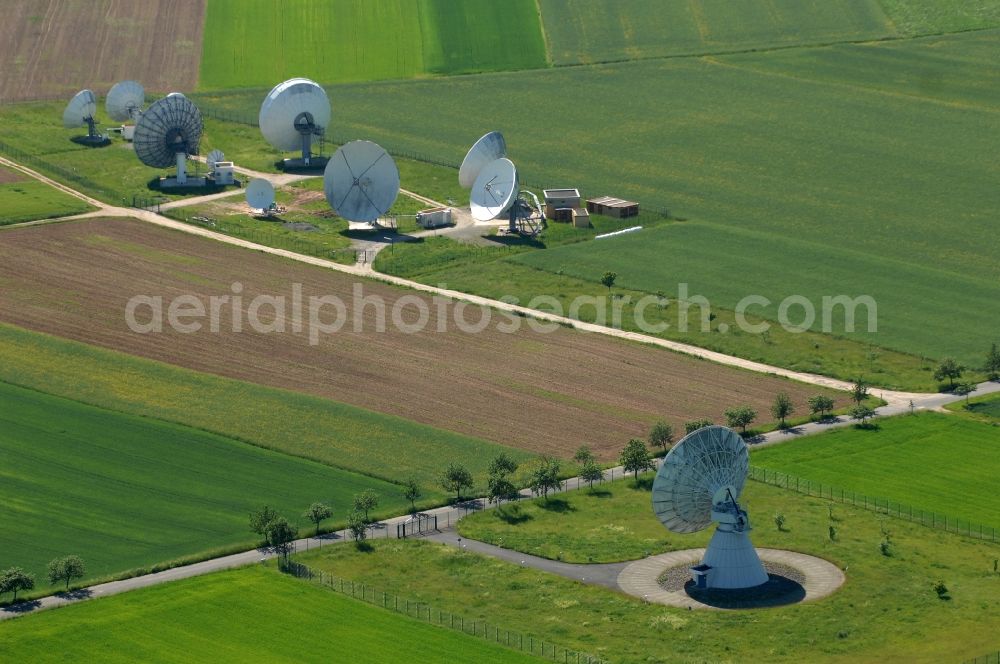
(423, 611)
(875, 504)
(65, 175)
(992, 658)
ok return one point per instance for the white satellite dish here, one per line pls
(291, 114)
(485, 151)
(214, 157)
(699, 483)
(167, 133)
(361, 181)
(260, 194)
(125, 101)
(495, 190)
(80, 111)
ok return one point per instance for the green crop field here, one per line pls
(808, 172)
(331, 433)
(125, 492)
(984, 409)
(24, 199)
(608, 30)
(260, 43)
(934, 462)
(251, 614)
(887, 610)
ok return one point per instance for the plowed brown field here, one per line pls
(545, 392)
(51, 48)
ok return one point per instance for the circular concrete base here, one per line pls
(640, 578)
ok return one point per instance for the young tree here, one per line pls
(14, 580)
(358, 525)
(661, 435)
(782, 408)
(502, 465)
(694, 425)
(545, 477)
(591, 472)
(365, 501)
(281, 535)
(821, 404)
(608, 279)
(499, 488)
(740, 416)
(455, 478)
(412, 492)
(993, 363)
(317, 513)
(635, 458)
(861, 413)
(260, 520)
(859, 391)
(779, 520)
(949, 369)
(66, 569)
(583, 455)
(964, 390)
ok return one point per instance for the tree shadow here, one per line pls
(598, 492)
(558, 505)
(89, 142)
(643, 483)
(364, 546)
(22, 606)
(77, 593)
(512, 516)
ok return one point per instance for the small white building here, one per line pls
(434, 217)
(223, 173)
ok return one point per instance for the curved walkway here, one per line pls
(640, 577)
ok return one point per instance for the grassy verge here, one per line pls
(125, 492)
(250, 614)
(329, 432)
(24, 199)
(887, 610)
(985, 408)
(932, 461)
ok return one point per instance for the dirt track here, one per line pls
(53, 48)
(544, 392)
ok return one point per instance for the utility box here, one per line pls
(581, 218)
(223, 173)
(556, 199)
(699, 574)
(610, 206)
(128, 132)
(434, 217)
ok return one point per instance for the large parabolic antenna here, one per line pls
(699, 483)
(167, 133)
(361, 181)
(125, 101)
(485, 151)
(292, 113)
(495, 189)
(80, 111)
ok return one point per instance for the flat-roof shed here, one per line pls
(610, 206)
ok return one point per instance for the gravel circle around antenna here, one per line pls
(794, 577)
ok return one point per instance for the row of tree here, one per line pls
(60, 570)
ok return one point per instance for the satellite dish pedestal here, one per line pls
(699, 483)
(182, 178)
(80, 111)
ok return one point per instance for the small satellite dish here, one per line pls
(80, 111)
(699, 483)
(495, 189)
(291, 114)
(125, 101)
(167, 133)
(361, 181)
(260, 194)
(485, 151)
(214, 157)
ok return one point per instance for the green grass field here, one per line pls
(935, 462)
(609, 30)
(742, 145)
(887, 610)
(24, 199)
(985, 408)
(263, 615)
(125, 492)
(312, 428)
(259, 43)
